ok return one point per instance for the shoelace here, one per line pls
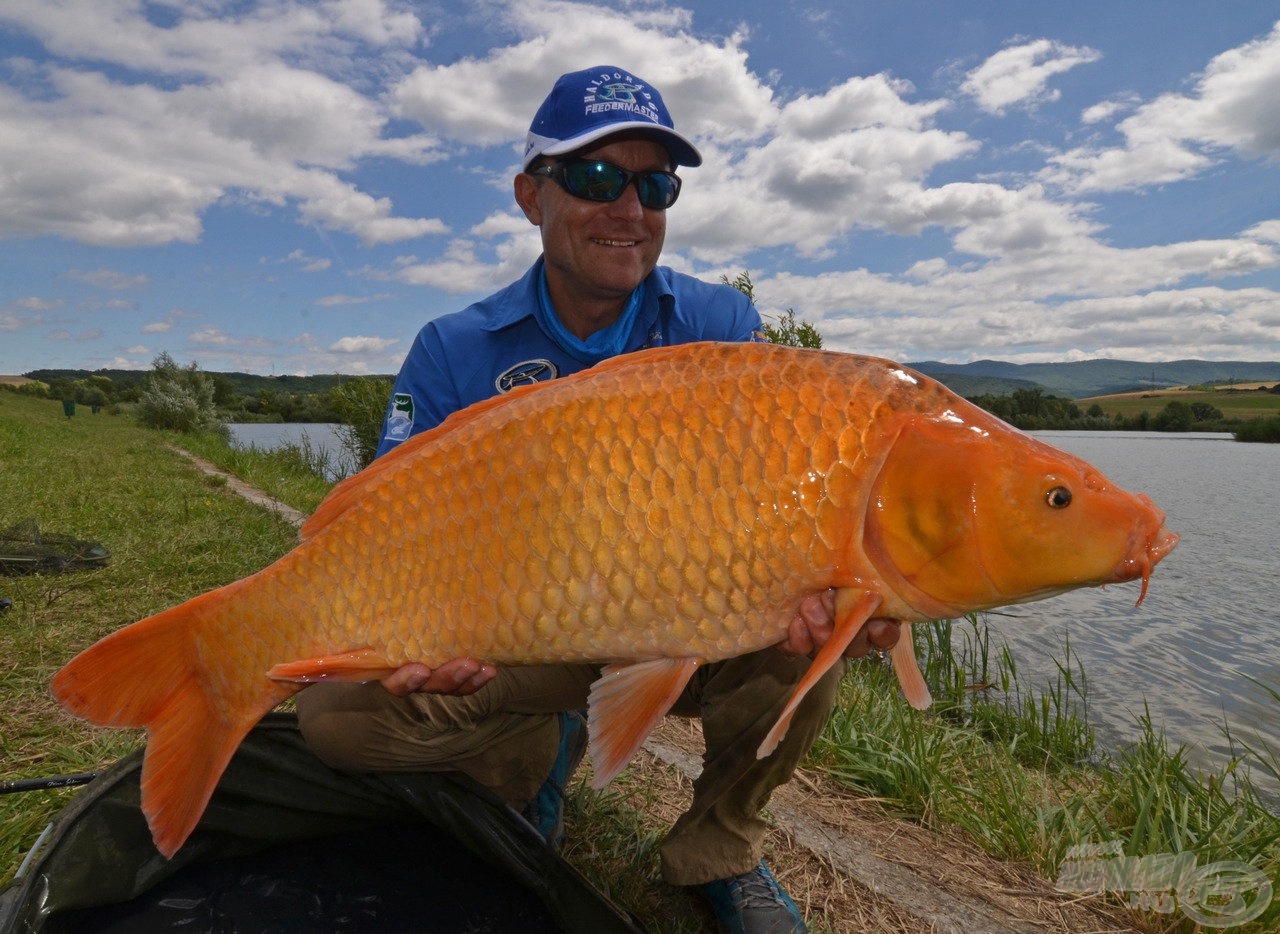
(755, 890)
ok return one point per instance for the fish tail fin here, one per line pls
(152, 675)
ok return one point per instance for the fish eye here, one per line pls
(1058, 498)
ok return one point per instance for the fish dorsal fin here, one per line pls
(356, 487)
(624, 706)
(853, 609)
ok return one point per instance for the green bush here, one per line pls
(1266, 430)
(361, 403)
(178, 398)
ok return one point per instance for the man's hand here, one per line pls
(812, 625)
(457, 676)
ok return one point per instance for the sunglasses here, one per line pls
(594, 180)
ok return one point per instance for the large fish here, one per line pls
(664, 509)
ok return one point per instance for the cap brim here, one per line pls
(682, 151)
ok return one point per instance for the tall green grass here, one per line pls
(1020, 770)
(1262, 430)
(296, 474)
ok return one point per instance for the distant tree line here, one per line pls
(188, 399)
(1037, 410)
(236, 397)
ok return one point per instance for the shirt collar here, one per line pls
(519, 299)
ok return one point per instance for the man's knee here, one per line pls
(334, 721)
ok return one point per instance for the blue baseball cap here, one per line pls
(585, 106)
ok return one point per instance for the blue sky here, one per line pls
(295, 187)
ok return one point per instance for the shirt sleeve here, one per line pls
(424, 393)
(710, 312)
(744, 319)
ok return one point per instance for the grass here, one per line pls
(171, 533)
(1017, 769)
(1234, 404)
(293, 474)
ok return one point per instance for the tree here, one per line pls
(1205, 412)
(788, 331)
(791, 332)
(1176, 416)
(178, 398)
(362, 405)
(33, 388)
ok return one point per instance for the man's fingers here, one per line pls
(881, 634)
(456, 676)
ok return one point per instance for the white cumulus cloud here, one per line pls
(1020, 74)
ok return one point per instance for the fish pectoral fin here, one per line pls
(903, 654)
(853, 609)
(356, 665)
(625, 704)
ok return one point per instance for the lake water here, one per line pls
(321, 438)
(1211, 616)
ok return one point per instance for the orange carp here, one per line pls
(661, 510)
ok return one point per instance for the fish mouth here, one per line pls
(1155, 548)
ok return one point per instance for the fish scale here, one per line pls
(657, 512)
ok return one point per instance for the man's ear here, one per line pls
(527, 197)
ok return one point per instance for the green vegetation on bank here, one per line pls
(1200, 410)
(234, 397)
(1265, 430)
(332, 398)
(1016, 768)
(1019, 771)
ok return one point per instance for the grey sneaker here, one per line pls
(753, 903)
(546, 811)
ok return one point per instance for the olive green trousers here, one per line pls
(506, 735)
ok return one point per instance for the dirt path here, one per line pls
(855, 868)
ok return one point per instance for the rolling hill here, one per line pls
(1086, 378)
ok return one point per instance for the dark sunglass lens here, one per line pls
(597, 181)
(658, 190)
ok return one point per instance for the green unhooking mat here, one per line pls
(24, 549)
(288, 844)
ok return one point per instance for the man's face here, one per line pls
(597, 251)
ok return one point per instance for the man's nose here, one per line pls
(628, 203)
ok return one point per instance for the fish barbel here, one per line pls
(661, 510)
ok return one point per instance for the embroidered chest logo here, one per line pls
(522, 374)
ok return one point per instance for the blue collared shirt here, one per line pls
(497, 344)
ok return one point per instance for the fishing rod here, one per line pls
(53, 781)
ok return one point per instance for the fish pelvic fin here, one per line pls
(624, 706)
(151, 675)
(905, 667)
(357, 665)
(853, 609)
